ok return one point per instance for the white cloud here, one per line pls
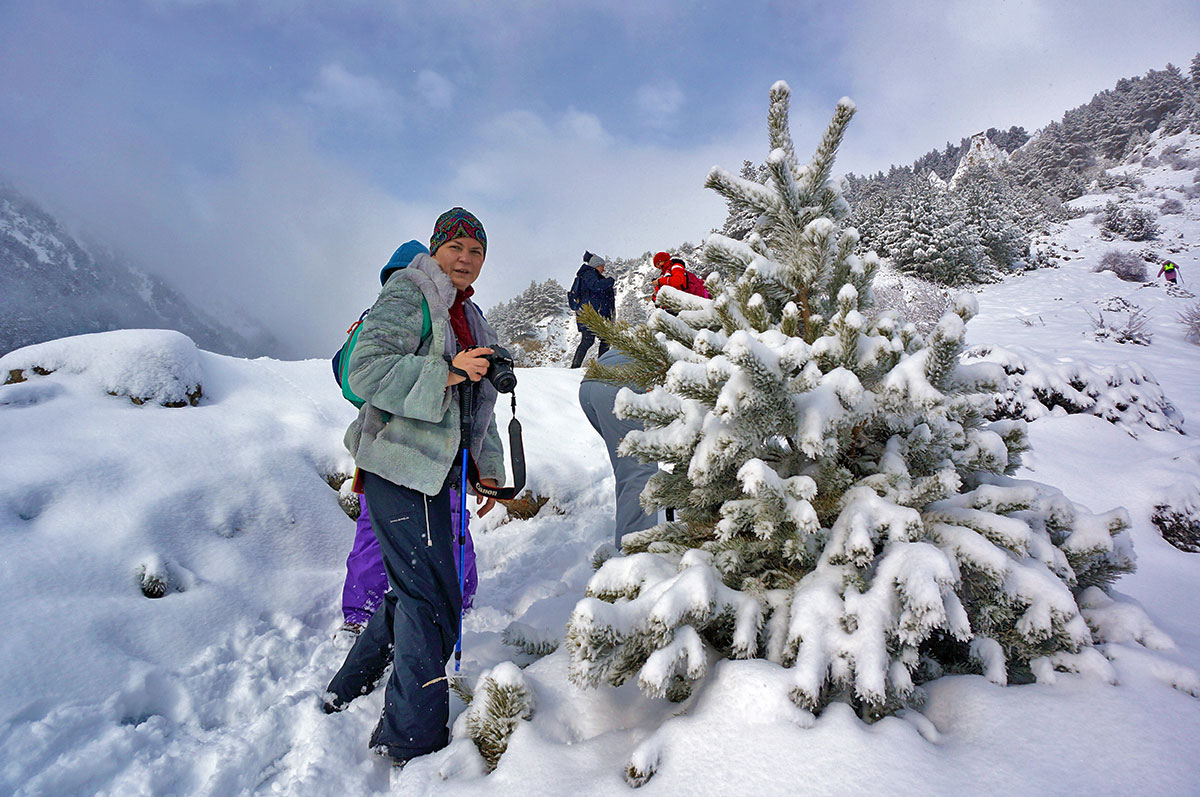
(548, 187)
(659, 104)
(338, 89)
(435, 89)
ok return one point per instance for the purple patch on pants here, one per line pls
(366, 580)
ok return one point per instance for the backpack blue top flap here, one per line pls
(401, 258)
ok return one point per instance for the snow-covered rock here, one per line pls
(981, 153)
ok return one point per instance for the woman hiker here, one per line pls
(405, 442)
(366, 579)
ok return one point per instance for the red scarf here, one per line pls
(458, 319)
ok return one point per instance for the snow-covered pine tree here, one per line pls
(928, 234)
(740, 220)
(842, 507)
(990, 208)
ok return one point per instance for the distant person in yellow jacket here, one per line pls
(1170, 270)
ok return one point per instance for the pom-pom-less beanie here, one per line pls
(456, 223)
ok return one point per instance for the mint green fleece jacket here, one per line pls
(408, 430)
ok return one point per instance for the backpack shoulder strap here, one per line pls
(426, 321)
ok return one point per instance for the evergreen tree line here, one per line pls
(981, 227)
(974, 232)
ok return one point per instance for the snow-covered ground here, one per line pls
(215, 688)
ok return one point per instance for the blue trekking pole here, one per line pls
(502, 378)
(466, 394)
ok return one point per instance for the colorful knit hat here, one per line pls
(662, 260)
(456, 223)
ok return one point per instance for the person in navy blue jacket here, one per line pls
(592, 287)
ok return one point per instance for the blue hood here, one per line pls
(401, 258)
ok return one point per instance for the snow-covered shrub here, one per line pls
(1126, 265)
(348, 500)
(1177, 506)
(644, 762)
(1134, 224)
(1190, 318)
(531, 641)
(500, 700)
(1134, 329)
(1178, 527)
(918, 302)
(1178, 161)
(148, 366)
(1171, 207)
(1031, 388)
(842, 505)
(1110, 183)
(1141, 225)
(152, 576)
(1151, 162)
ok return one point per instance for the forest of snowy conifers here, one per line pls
(961, 215)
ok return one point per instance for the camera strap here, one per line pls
(516, 447)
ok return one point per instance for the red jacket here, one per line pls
(677, 276)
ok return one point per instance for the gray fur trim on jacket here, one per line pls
(408, 429)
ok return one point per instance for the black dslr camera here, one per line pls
(500, 369)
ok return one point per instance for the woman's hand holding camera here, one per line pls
(471, 362)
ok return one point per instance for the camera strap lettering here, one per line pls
(516, 448)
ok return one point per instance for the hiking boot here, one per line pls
(332, 705)
(344, 637)
(382, 750)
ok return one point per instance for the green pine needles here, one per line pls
(843, 508)
(500, 701)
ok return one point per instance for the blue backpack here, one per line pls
(341, 360)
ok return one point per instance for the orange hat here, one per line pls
(662, 260)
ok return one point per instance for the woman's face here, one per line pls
(462, 260)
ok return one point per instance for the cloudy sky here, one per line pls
(268, 156)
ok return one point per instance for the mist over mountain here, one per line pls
(53, 285)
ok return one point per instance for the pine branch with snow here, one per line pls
(500, 700)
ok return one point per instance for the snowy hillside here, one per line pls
(215, 688)
(135, 461)
(52, 285)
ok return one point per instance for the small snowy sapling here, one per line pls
(843, 507)
(500, 700)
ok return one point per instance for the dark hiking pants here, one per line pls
(585, 343)
(418, 620)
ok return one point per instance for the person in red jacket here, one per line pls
(676, 274)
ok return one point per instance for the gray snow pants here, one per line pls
(597, 399)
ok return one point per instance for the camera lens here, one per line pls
(504, 380)
(500, 373)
